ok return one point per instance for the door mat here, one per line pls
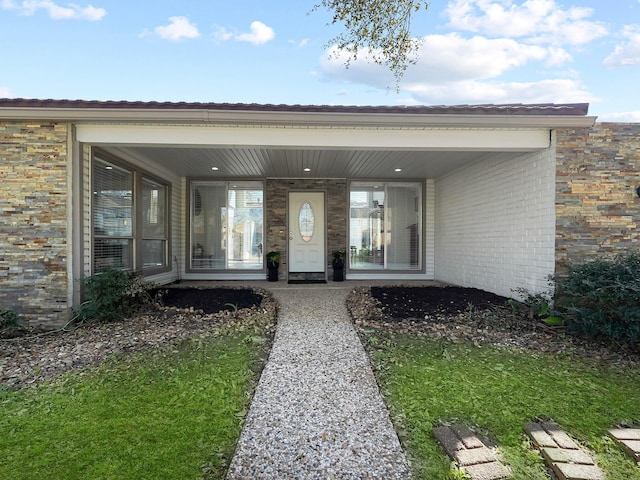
(303, 282)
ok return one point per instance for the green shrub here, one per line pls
(9, 319)
(112, 295)
(602, 297)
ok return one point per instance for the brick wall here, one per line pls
(597, 207)
(495, 224)
(276, 216)
(33, 221)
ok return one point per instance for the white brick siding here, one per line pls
(495, 224)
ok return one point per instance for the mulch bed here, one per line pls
(450, 313)
(403, 303)
(467, 314)
(35, 356)
(209, 300)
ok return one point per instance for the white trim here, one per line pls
(516, 140)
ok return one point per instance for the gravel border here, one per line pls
(317, 412)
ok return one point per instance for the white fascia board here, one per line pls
(282, 118)
(316, 138)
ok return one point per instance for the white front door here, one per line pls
(306, 232)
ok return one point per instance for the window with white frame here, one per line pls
(130, 217)
(226, 225)
(385, 225)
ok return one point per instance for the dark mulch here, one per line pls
(421, 302)
(468, 314)
(210, 300)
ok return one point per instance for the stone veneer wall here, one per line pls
(597, 207)
(33, 221)
(276, 215)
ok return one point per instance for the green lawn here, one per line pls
(499, 390)
(173, 413)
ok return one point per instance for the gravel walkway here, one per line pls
(317, 412)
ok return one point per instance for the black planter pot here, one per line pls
(272, 272)
(338, 271)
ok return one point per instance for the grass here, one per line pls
(176, 412)
(498, 391)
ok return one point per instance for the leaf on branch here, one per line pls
(381, 28)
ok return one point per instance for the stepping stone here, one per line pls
(465, 447)
(629, 438)
(570, 471)
(567, 460)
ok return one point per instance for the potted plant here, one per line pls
(337, 262)
(273, 262)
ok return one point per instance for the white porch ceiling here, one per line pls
(290, 163)
(285, 152)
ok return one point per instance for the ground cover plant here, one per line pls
(451, 361)
(165, 398)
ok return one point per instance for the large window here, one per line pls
(385, 225)
(226, 225)
(130, 221)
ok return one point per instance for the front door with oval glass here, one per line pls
(306, 232)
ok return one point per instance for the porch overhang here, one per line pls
(336, 137)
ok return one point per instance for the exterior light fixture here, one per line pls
(398, 170)
(307, 169)
(215, 169)
(108, 167)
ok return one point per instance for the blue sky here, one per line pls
(473, 51)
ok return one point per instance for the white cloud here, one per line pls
(299, 44)
(447, 58)
(453, 57)
(259, 34)
(5, 92)
(221, 34)
(545, 91)
(540, 21)
(627, 53)
(454, 69)
(178, 29)
(628, 117)
(56, 12)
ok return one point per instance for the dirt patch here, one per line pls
(209, 300)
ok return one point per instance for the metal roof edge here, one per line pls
(390, 117)
(301, 119)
